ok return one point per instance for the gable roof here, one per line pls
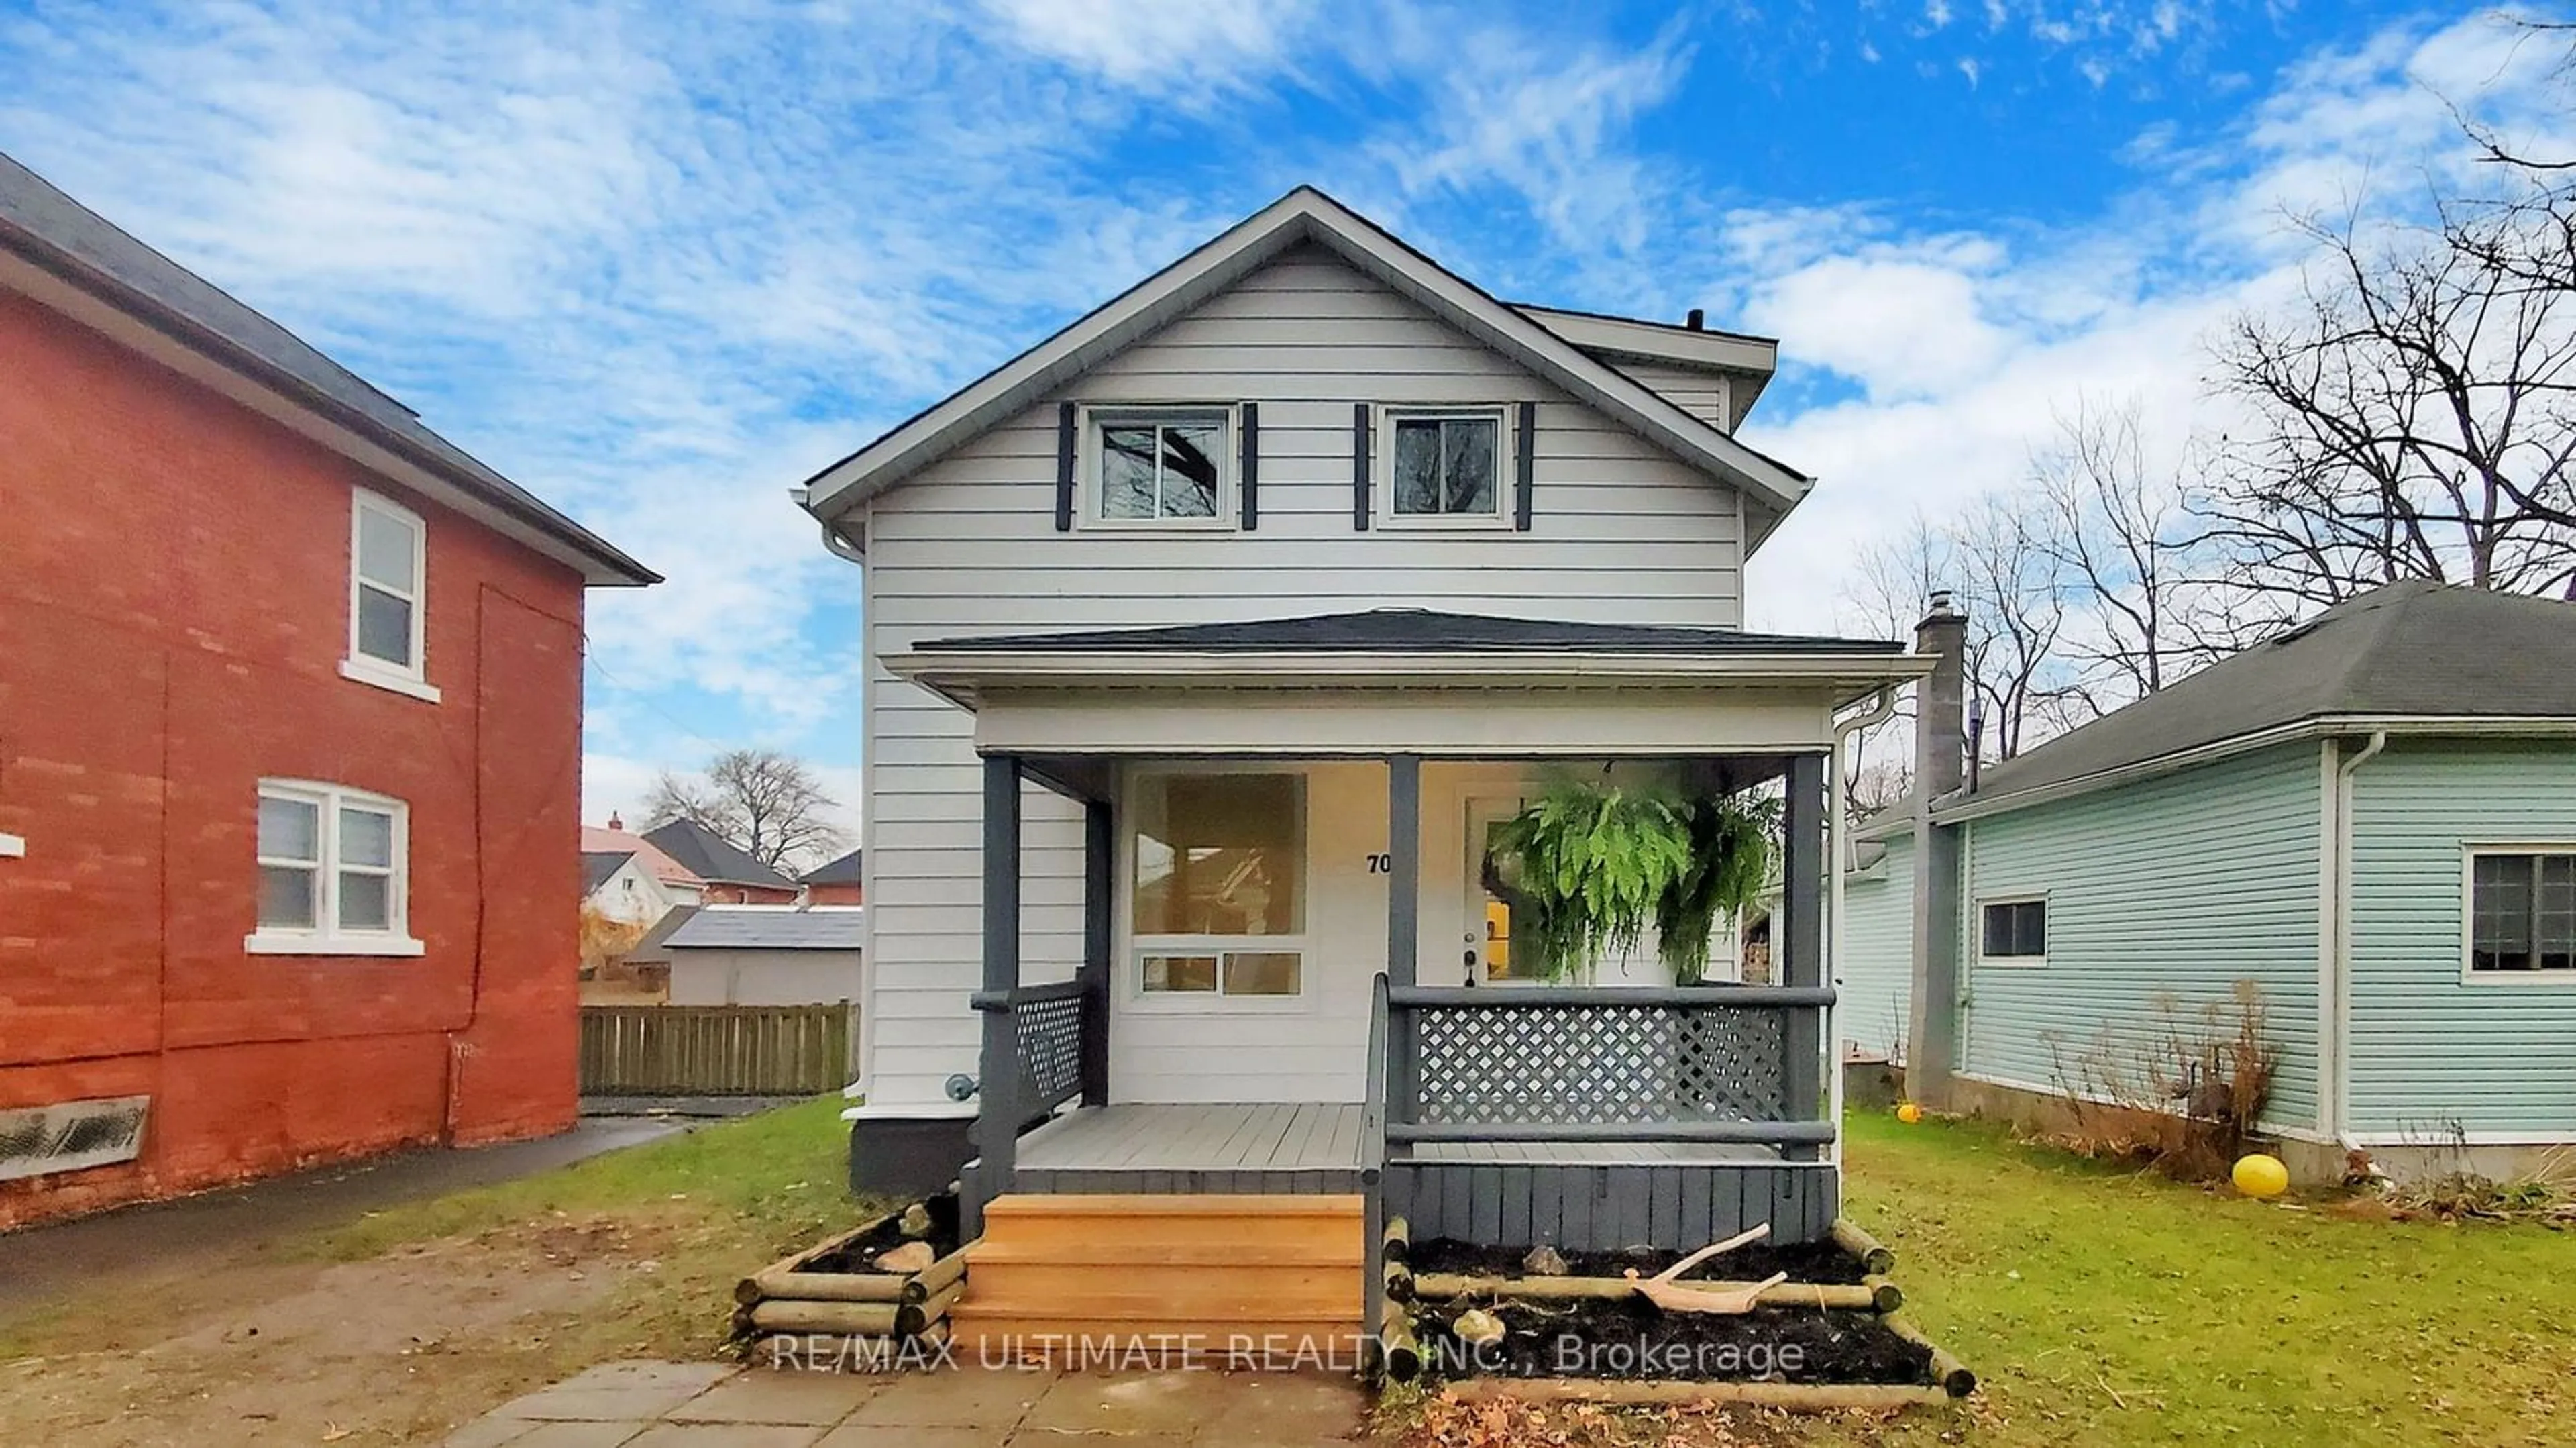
(655, 947)
(598, 865)
(772, 927)
(49, 229)
(2407, 651)
(843, 871)
(1303, 215)
(665, 869)
(712, 857)
(1411, 630)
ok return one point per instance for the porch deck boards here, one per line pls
(1282, 1148)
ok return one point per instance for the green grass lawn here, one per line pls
(2106, 1308)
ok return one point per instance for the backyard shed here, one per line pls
(766, 955)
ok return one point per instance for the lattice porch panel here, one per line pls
(1593, 1063)
(1050, 1037)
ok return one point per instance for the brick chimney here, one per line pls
(615, 823)
(1940, 763)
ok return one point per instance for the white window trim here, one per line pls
(326, 938)
(2470, 975)
(1135, 947)
(366, 668)
(1382, 467)
(2014, 962)
(1089, 420)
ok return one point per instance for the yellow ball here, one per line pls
(1909, 1113)
(2261, 1176)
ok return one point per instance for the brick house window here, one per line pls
(388, 597)
(334, 872)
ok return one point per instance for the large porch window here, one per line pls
(1219, 887)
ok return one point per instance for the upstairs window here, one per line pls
(388, 589)
(2016, 931)
(1444, 465)
(1170, 467)
(2522, 912)
(334, 872)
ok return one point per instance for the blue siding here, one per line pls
(2431, 1051)
(1878, 951)
(2161, 895)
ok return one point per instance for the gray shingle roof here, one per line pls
(712, 857)
(72, 241)
(843, 871)
(598, 865)
(655, 947)
(772, 927)
(2414, 648)
(1414, 630)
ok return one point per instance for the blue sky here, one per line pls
(660, 263)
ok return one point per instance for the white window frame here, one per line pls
(2048, 927)
(1089, 422)
(1135, 947)
(366, 668)
(1382, 466)
(327, 937)
(2469, 973)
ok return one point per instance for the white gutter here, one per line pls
(1837, 847)
(2337, 1093)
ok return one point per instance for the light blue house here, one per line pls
(2371, 817)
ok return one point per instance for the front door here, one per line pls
(1487, 945)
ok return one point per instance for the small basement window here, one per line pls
(1163, 466)
(1444, 464)
(2522, 911)
(2015, 930)
(334, 872)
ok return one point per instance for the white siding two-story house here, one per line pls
(1204, 641)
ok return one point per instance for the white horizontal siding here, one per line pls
(2432, 1052)
(1878, 952)
(1703, 395)
(1621, 532)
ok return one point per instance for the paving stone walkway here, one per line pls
(714, 1405)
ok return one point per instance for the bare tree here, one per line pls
(768, 804)
(2412, 418)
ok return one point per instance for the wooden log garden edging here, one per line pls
(1875, 1295)
(1873, 1257)
(790, 1298)
(1952, 1374)
(1796, 1397)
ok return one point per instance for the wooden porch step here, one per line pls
(1214, 1269)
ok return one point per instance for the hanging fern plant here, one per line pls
(1590, 868)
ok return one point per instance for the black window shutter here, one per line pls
(1251, 466)
(1064, 445)
(1521, 465)
(1360, 466)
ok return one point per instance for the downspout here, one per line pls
(2339, 1090)
(1837, 862)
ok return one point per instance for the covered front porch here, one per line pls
(1421, 1072)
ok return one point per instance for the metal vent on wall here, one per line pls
(41, 1140)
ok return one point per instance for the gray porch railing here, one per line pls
(1609, 1064)
(1050, 1031)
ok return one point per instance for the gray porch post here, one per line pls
(1802, 869)
(1098, 879)
(1403, 922)
(1940, 766)
(997, 1121)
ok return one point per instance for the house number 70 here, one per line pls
(1381, 864)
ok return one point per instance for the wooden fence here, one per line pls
(716, 1050)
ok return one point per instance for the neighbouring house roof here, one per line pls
(843, 871)
(711, 857)
(655, 947)
(2408, 653)
(773, 927)
(66, 239)
(664, 868)
(598, 865)
(1307, 215)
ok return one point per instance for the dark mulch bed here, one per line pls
(1631, 1338)
(860, 1252)
(1804, 1262)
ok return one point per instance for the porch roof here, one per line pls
(1416, 631)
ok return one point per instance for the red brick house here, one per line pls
(290, 746)
(836, 882)
(729, 874)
